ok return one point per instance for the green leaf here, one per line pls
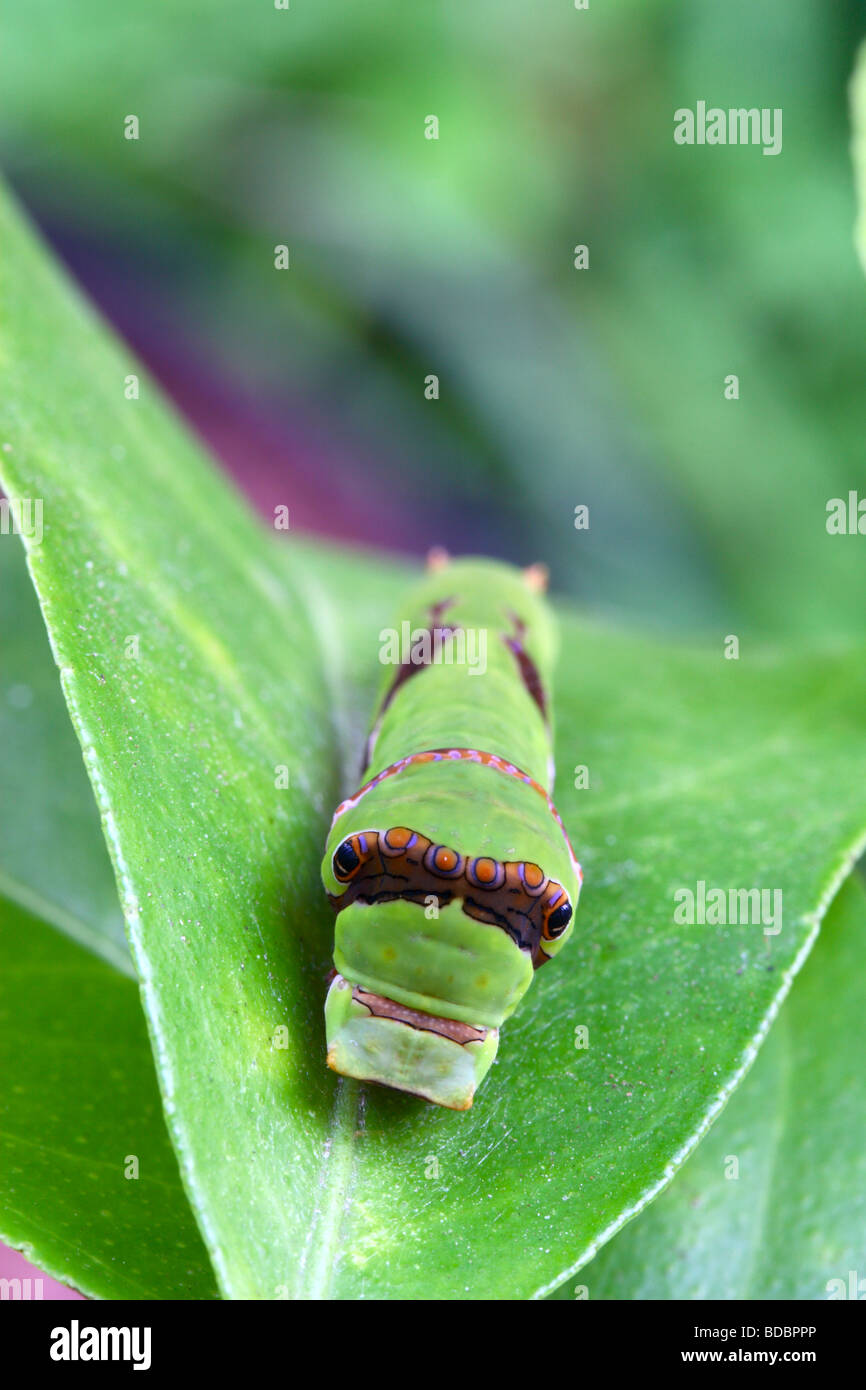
(192, 672)
(79, 1090)
(53, 859)
(739, 773)
(79, 1104)
(791, 1217)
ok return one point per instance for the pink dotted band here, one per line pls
(438, 755)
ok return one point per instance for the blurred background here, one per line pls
(454, 257)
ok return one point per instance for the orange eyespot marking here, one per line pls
(443, 860)
(487, 873)
(398, 838)
(533, 878)
(485, 870)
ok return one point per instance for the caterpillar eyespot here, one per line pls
(346, 860)
(442, 861)
(449, 869)
(398, 840)
(486, 873)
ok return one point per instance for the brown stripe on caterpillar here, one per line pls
(527, 669)
(382, 1007)
(400, 863)
(410, 668)
(535, 579)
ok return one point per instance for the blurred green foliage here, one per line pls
(455, 256)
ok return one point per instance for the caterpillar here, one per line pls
(449, 870)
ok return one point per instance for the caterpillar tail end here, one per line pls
(373, 1038)
(437, 559)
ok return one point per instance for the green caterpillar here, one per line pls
(450, 871)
